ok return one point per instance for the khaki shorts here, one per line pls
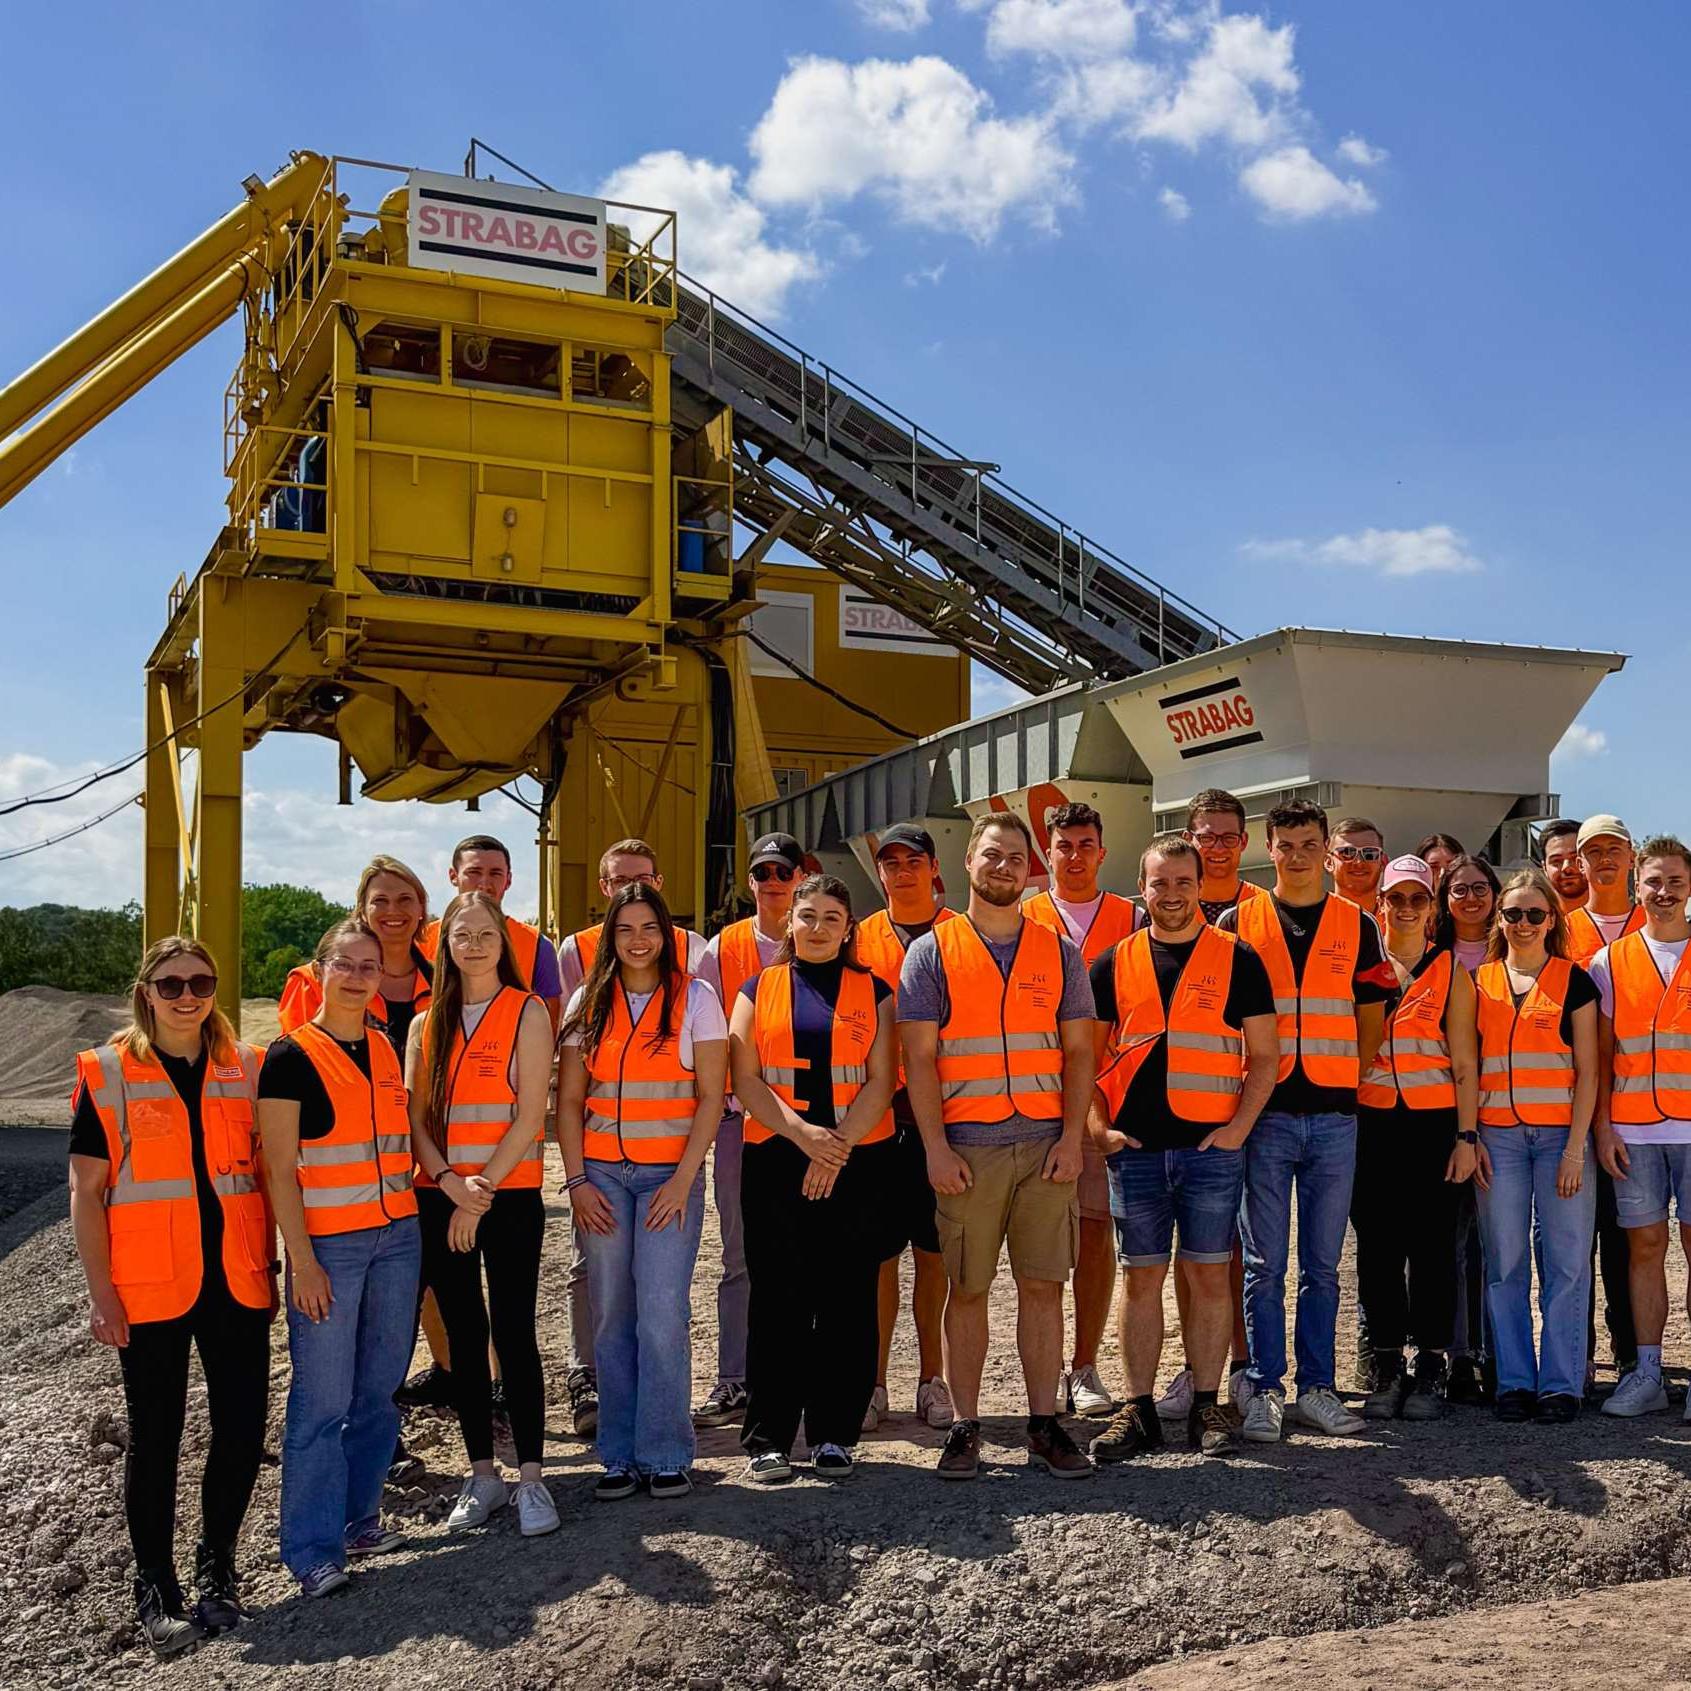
(1008, 1201)
(1094, 1186)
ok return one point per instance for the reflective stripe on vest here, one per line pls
(855, 1020)
(1413, 1062)
(1206, 1056)
(1526, 1071)
(1652, 1035)
(1317, 1016)
(358, 1174)
(1000, 1052)
(152, 1210)
(1115, 919)
(481, 1102)
(640, 1105)
(1585, 938)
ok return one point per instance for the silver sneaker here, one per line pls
(480, 1496)
(537, 1514)
(1087, 1395)
(1176, 1403)
(1319, 1408)
(1265, 1416)
(933, 1402)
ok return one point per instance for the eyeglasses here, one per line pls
(617, 882)
(171, 987)
(1221, 842)
(1535, 918)
(1358, 854)
(1471, 889)
(774, 872)
(351, 966)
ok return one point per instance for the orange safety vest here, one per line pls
(302, 998)
(1526, 1072)
(1317, 1015)
(640, 1105)
(525, 945)
(1206, 1056)
(880, 950)
(855, 1022)
(1585, 938)
(1413, 1062)
(152, 1210)
(737, 959)
(587, 948)
(1248, 890)
(1652, 1035)
(359, 1173)
(1000, 1053)
(1115, 919)
(481, 1102)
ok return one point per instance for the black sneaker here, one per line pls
(1516, 1405)
(584, 1402)
(961, 1458)
(1391, 1386)
(727, 1402)
(1557, 1408)
(1466, 1382)
(1424, 1400)
(217, 1587)
(1209, 1429)
(615, 1484)
(165, 1628)
(428, 1388)
(677, 1482)
(833, 1462)
(1129, 1432)
(1365, 1376)
(404, 1466)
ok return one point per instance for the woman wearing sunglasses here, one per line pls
(177, 1243)
(1538, 1087)
(337, 1157)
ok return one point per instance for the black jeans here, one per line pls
(1404, 1212)
(234, 1346)
(508, 1245)
(812, 1331)
(1614, 1263)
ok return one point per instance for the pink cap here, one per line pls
(1402, 869)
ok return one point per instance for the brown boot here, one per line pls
(1050, 1448)
(961, 1458)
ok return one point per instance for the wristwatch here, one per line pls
(1469, 1137)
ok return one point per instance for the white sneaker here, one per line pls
(933, 1402)
(1637, 1394)
(1240, 1391)
(1176, 1403)
(481, 1495)
(1087, 1395)
(878, 1406)
(1321, 1409)
(537, 1514)
(1264, 1416)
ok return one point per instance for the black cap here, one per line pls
(776, 848)
(907, 834)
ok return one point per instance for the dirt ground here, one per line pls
(1262, 1567)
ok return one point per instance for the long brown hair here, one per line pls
(592, 1016)
(824, 886)
(138, 1037)
(1444, 919)
(447, 1005)
(1529, 878)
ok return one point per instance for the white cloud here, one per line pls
(1240, 87)
(720, 233)
(1294, 185)
(1176, 207)
(1582, 741)
(1354, 150)
(1061, 29)
(932, 274)
(902, 15)
(1435, 549)
(918, 133)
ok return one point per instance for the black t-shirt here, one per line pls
(1215, 908)
(289, 1073)
(1373, 981)
(400, 1016)
(816, 990)
(187, 1075)
(1144, 1114)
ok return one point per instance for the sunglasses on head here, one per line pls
(171, 987)
(774, 872)
(1535, 918)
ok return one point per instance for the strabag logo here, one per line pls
(516, 234)
(1217, 717)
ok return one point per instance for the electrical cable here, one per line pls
(70, 833)
(821, 686)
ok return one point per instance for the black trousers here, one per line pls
(507, 1245)
(234, 1346)
(1404, 1212)
(1614, 1264)
(812, 1331)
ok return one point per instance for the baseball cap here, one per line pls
(1408, 868)
(907, 834)
(1593, 827)
(776, 848)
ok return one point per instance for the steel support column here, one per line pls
(217, 798)
(161, 908)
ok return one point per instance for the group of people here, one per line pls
(1469, 1071)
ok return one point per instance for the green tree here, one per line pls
(70, 948)
(280, 927)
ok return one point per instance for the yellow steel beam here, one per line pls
(161, 909)
(217, 798)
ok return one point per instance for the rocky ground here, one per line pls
(891, 1581)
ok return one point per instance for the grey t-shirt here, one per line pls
(922, 997)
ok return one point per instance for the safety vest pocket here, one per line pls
(140, 1244)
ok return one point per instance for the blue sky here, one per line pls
(1358, 316)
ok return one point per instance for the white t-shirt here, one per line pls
(1078, 918)
(701, 1019)
(1610, 927)
(1665, 954)
(571, 974)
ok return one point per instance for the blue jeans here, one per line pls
(1318, 1154)
(734, 1289)
(342, 1420)
(1153, 1192)
(1523, 1185)
(642, 1320)
(1655, 1174)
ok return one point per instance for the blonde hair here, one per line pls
(1529, 879)
(139, 1036)
(382, 864)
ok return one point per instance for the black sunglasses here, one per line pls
(171, 987)
(774, 872)
(1533, 918)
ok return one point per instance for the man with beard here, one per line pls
(1560, 844)
(995, 1014)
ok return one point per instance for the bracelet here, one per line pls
(574, 1181)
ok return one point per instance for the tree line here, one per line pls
(80, 950)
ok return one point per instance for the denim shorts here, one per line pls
(1655, 1173)
(1153, 1193)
